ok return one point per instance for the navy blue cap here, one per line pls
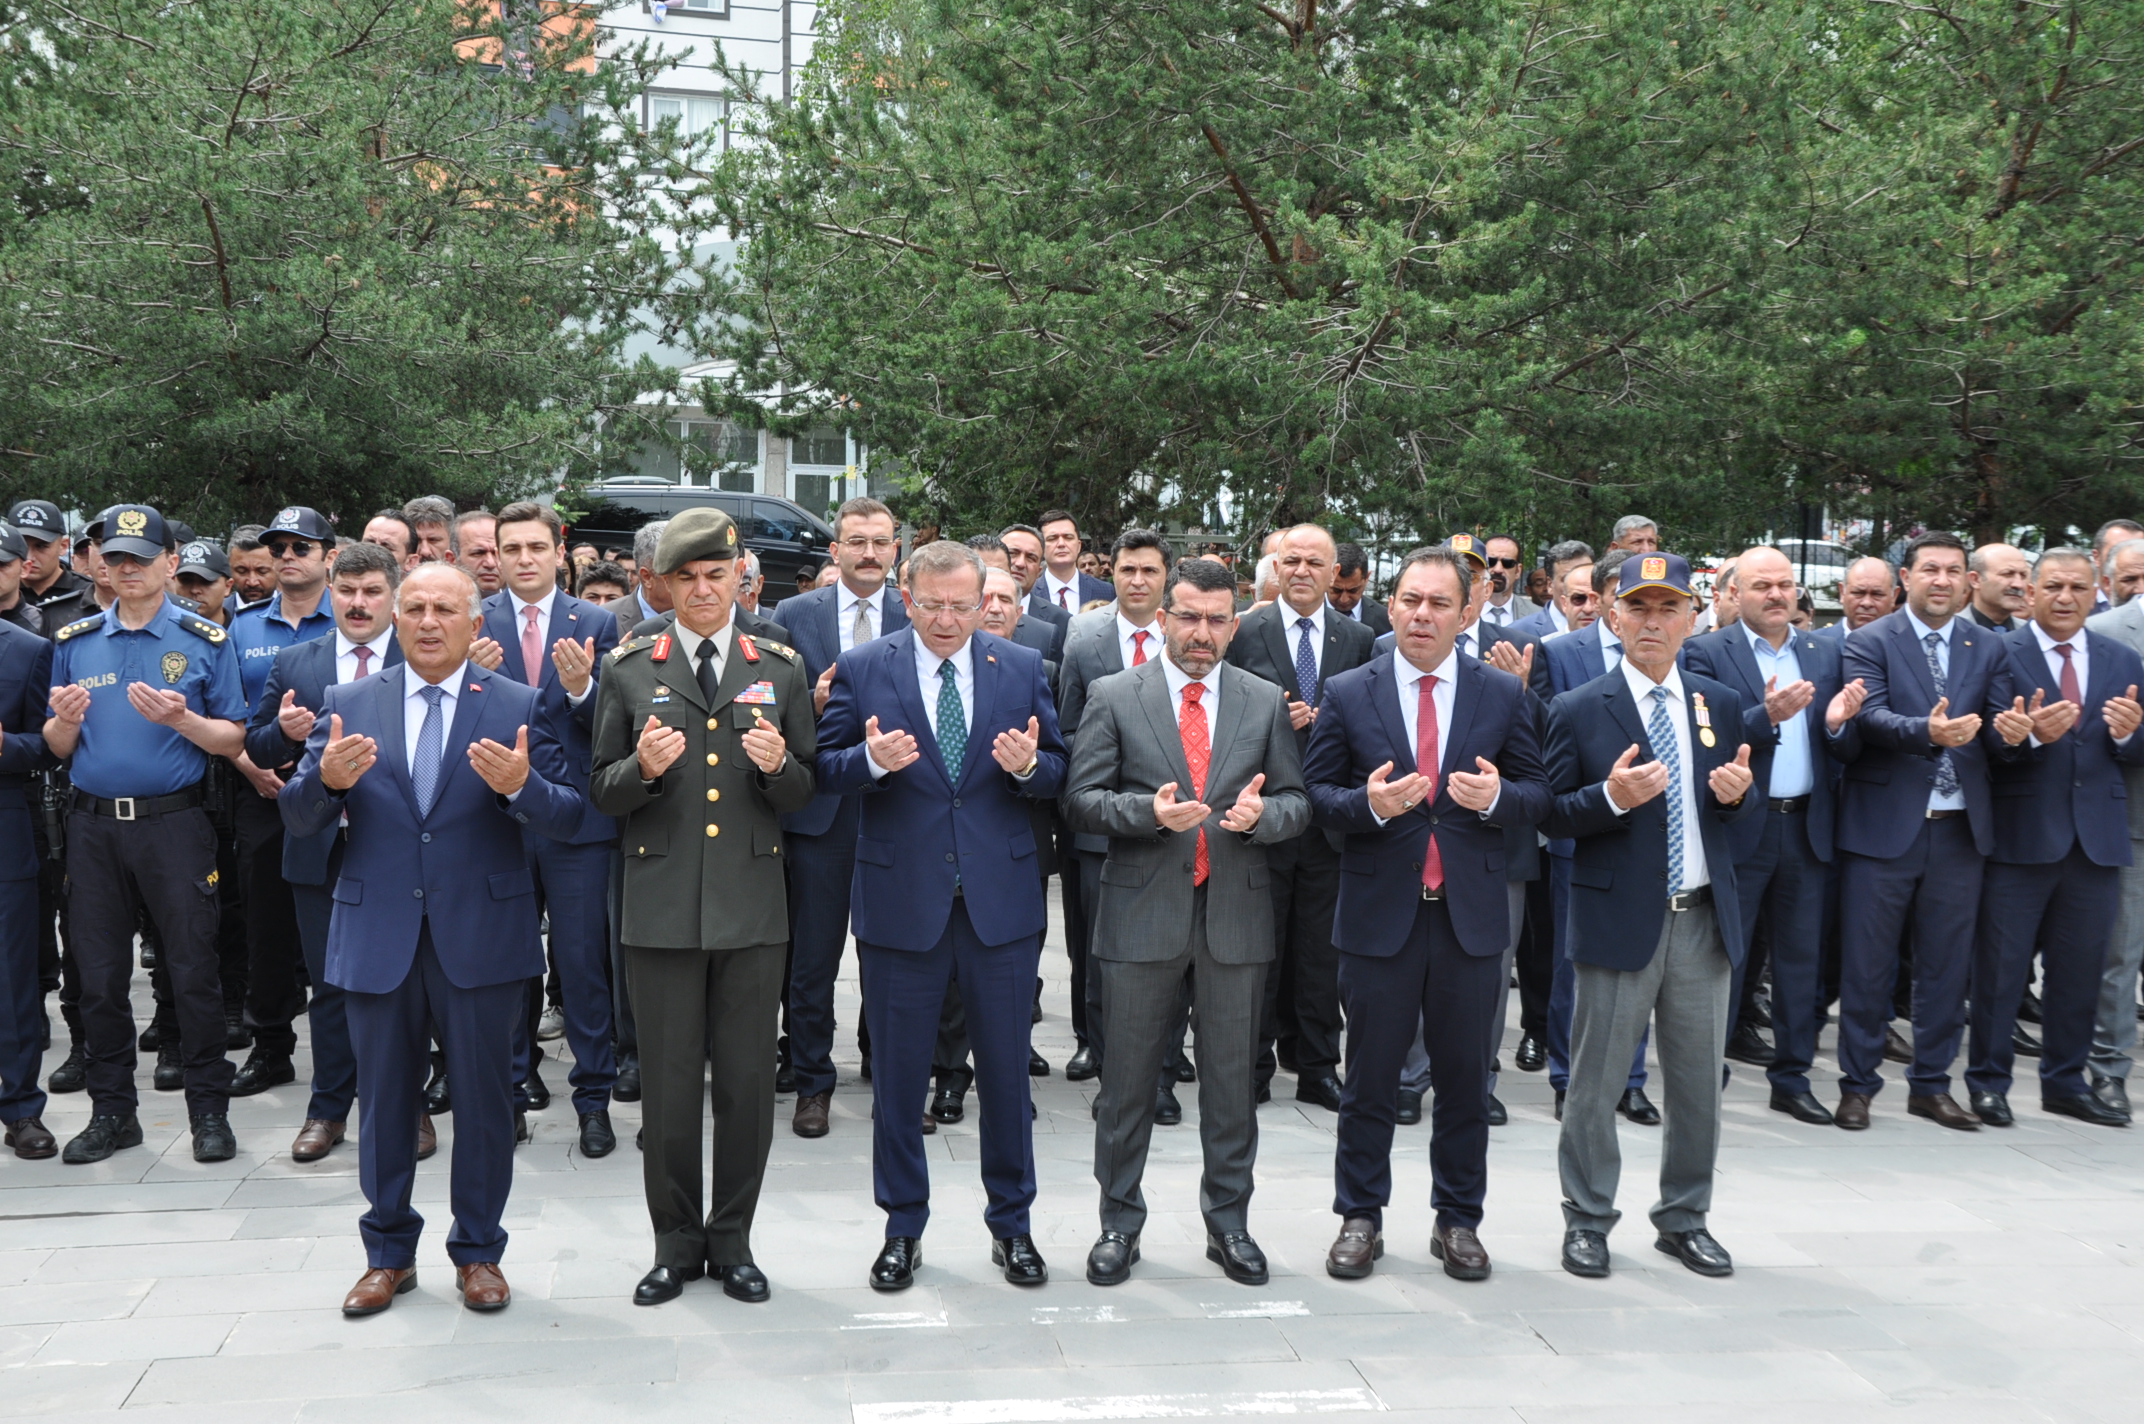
(1668, 571)
(305, 523)
(134, 529)
(38, 519)
(1470, 546)
(203, 559)
(11, 545)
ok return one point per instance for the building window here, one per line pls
(733, 448)
(706, 9)
(695, 115)
(821, 445)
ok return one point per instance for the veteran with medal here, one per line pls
(703, 740)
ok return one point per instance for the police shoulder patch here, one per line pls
(82, 625)
(201, 627)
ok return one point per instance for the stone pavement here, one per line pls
(1904, 1274)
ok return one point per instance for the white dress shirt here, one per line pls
(1694, 870)
(846, 604)
(1444, 696)
(1125, 629)
(1053, 586)
(1354, 613)
(1937, 801)
(1295, 632)
(690, 643)
(928, 681)
(1469, 639)
(1209, 700)
(1500, 614)
(346, 654)
(2080, 661)
(414, 708)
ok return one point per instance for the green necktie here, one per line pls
(952, 722)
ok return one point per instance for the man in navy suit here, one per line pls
(435, 922)
(1023, 559)
(948, 734)
(826, 625)
(1423, 918)
(1799, 721)
(1915, 824)
(25, 684)
(1062, 584)
(555, 643)
(2053, 882)
(1571, 601)
(361, 590)
(1656, 922)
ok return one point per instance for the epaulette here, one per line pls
(773, 647)
(80, 625)
(630, 645)
(201, 627)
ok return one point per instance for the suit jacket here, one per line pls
(2008, 625)
(462, 866)
(1090, 588)
(1619, 868)
(1541, 623)
(1261, 646)
(1050, 616)
(1885, 797)
(919, 836)
(1037, 634)
(1726, 656)
(2073, 790)
(1538, 681)
(580, 621)
(1375, 616)
(812, 619)
(308, 669)
(1359, 728)
(25, 688)
(2126, 626)
(1129, 748)
(1091, 652)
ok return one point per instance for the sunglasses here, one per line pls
(1503, 563)
(289, 548)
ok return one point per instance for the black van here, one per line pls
(785, 537)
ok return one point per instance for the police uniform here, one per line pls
(138, 836)
(70, 597)
(706, 919)
(23, 614)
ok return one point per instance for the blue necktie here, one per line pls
(1946, 774)
(952, 722)
(1662, 734)
(1306, 662)
(431, 746)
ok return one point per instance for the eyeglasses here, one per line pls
(290, 548)
(868, 546)
(931, 609)
(1496, 563)
(1582, 600)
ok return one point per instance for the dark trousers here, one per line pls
(1451, 995)
(1077, 937)
(821, 869)
(56, 969)
(1306, 890)
(391, 1032)
(22, 1002)
(690, 1002)
(1782, 885)
(1536, 960)
(573, 885)
(273, 997)
(625, 1030)
(903, 994)
(2065, 912)
(1563, 988)
(165, 864)
(326, 1013)
(1934, 886)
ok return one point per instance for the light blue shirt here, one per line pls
(1794, 760)
(1937, 801)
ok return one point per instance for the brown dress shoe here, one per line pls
(1853, 1113)
(1896, 1048)
(376, 1290)
(1358, 1245)
(30, 1140)
(427, 1137)
(1462, 1254)
(1942, 1108)
(481, 1285)
(316, 1139)
(810, 1120)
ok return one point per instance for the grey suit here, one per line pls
(2114, 1031)
(1152, 928)
(1091, 652)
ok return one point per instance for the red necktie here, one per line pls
(532, 647)
(1198, 755)
(1061, 595)
(1425, 762)
(2070, 693)
(364, 660)
(1139, 646)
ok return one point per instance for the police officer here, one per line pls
(703, 740)
(143, 695)
(15, 606)
(204, 580)
(59, 592)
(25, 680)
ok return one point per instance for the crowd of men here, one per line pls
(458, 787)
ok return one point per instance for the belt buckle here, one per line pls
(1429, 894)
(123, 808)
(1682, 901)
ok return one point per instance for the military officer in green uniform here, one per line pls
(703, 739)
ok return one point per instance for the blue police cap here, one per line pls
(38, 519)
(1669, 571)
(135, 529)
(305, 523)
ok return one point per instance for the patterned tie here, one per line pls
(1946, 774)
(1062, 594)
(431, 750)
(1427, 763)
(1306, 662)
(1198, 755)
(952, 722)
(1497, 614)
(2070, 693)
(1662, 734)
(1139, 646)
(532, 647)
(860, 626)
(364, 660)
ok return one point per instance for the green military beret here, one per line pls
(696, 534)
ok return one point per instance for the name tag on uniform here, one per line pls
(759, 694)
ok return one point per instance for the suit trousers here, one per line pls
(1684, 990)
(573, 886)
(1563, 985)
(625, 1030)
(1434, 984)
(2114, 1031)
(1782, 885)
(690, 1002)
(1415, 1075)
(1535, 962)
(391, 1033)
(22, 1003)
(2066, 912)
(1934, 886)
(274, 998)
(1141, 998)
(1306, 893)
(821, 869)
(165, 864)
(903, 994)
(1076, 934)
(327, 1014)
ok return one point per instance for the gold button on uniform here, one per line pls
(713, 794)
(710, 724)
(714, 830)
(713, 760)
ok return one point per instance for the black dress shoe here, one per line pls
(627, 1088)
(2023, 1044)
(236, 1035)
(1265, 1093)
(2028, 1007)
(1697, 1250)
(1110, 1262)
(152, 1037)
(947, 1104)
(1238, 1257)
(2113, 1094)
(1559, 1105)
(1585, 1253)
(1410, 1111)
(1638, 1108)
(1168, 1112)
(213, 1141)
(522, 1133)
(664, 1283)
(105, 1135)
(597, 1138)
(2085, 1108)
(1498, 1116)
(1897, 1048)
(1321, 1089)
(1185, 1073)
(149, 955)
(437, 1099)
(1037, 1065)
(745, 1283)
(170, 1073)
(1802, 1107)
(895, 1268)
(867, 1068)
(538, 1094)
(1082, 1065)
(72, 1075)
(1993, 1109)
(785, 1079)
(1532, 1055)
(1022, 1262)
(263, 1069)
(1748, 1046)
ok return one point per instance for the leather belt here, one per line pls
(1943, 815)
(133, 808)
(1690, 899)
(1788, 805)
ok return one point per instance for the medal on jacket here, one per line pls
(1704, 718)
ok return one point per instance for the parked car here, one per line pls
(1820, 567)
(786, 537)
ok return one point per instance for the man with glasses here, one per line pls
(1023, 558)
(1350, 593)
(1555, 618)
(1505, 605)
